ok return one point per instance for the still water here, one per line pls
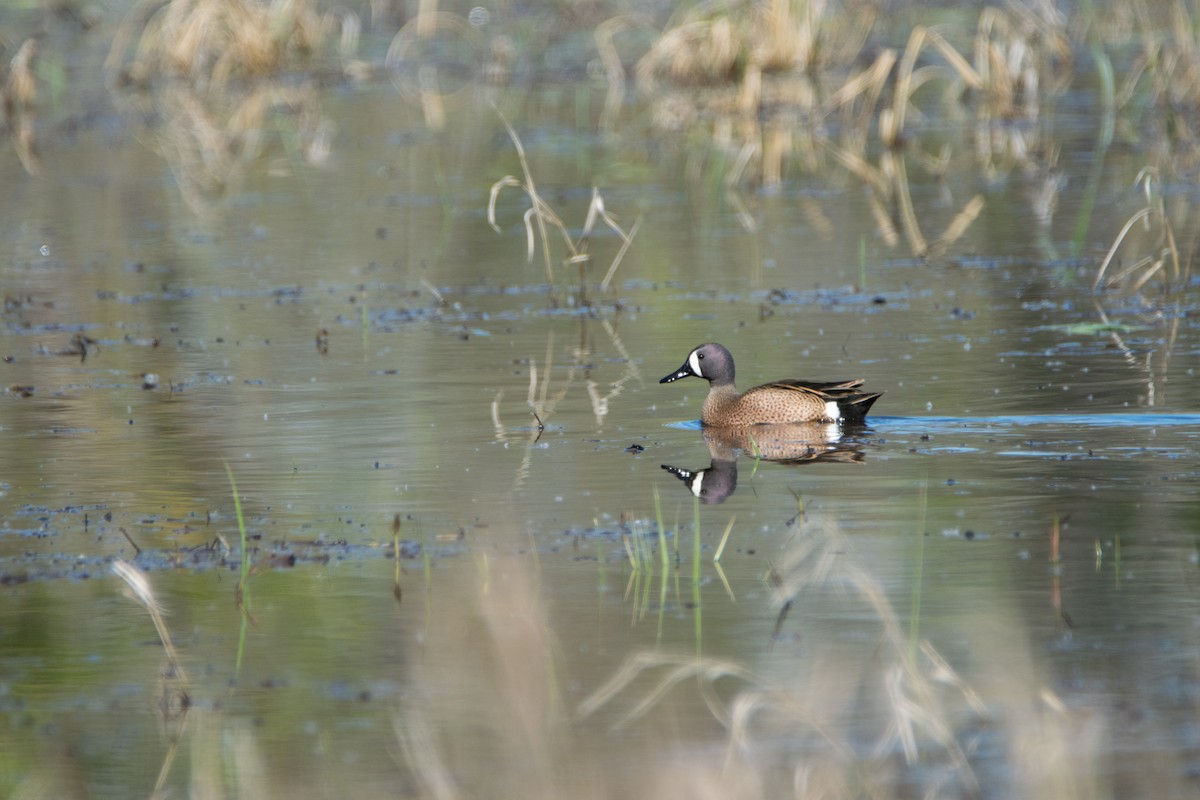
(991, 591)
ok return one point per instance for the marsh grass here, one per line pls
(540, 218)
(212, 141)
(781, 86)
(545, 392)
(638, 543)
(244, 566)
(397, 591)
(1163, 259)
(1158, 274)
(918, 579)
(174, 702)
(787, 87)
(505, 703)
(915, 741)
(141, 591)
(227, 80)
(19, 98)
(1165, 74)
(241, 592)
(541, 403)
(210, 43)
(716, 560)
(605, 36)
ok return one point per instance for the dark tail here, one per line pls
(854, 407)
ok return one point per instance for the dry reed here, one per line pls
(763, 69)
(540, 216)
(210, 71)
(211, 42)
(1163, 258)
(19, 98)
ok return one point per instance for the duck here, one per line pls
(783, 401)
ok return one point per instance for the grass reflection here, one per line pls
(753, 93)
(509, 691)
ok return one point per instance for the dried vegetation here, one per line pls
(19, 97)
(794, 102)
(227, 78)
(791, 85)
(540, 218)
(212, 42)
(759, 92)
(867, 708)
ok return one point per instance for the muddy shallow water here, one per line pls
(994, 592)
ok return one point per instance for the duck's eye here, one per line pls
(699, 355)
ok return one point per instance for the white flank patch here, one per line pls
(698, 483)
(694, 363)
(832, 411)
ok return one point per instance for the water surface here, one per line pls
(996, 596)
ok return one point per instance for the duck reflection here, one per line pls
(783, 444)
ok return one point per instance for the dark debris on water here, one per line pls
(280, 554)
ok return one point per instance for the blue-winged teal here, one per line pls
(779, 401)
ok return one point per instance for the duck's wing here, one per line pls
(854, 404)
(829, 390)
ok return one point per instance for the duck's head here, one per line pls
(710, 361)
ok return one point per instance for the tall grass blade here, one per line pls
(244, 568)
(241, 592)
(696, 573)
(918, 580)
(724, 539)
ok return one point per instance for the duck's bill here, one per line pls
(683, 372)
